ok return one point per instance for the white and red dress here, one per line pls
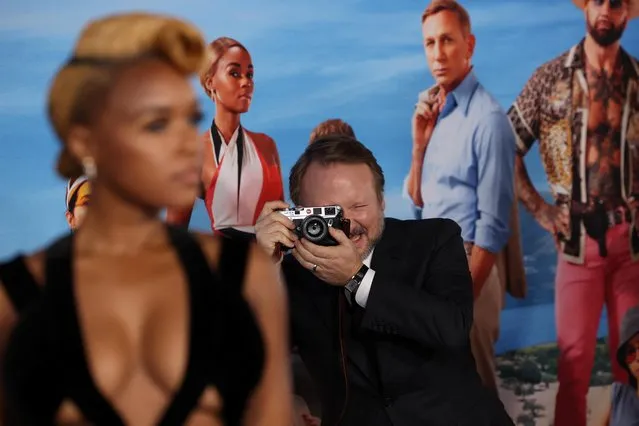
(246, 175)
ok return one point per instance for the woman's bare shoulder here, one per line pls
(263, 284)
(33, 262)
(266, 145)
(262, 139)
(35, 266)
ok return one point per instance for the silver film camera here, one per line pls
(312, 223)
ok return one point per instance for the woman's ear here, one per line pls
(69, 217)
(78, 142)
(210, 87)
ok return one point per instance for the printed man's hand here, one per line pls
(554, 219)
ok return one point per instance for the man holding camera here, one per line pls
(583, 109)
(381, 318)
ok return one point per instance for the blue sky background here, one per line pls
(358, 60)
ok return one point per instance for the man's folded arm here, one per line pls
(439, 314)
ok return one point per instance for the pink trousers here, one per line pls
(580, 294)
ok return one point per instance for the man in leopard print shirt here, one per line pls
(583, 109)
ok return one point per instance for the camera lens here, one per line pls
(314, 228)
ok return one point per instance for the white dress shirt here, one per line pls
(229, 210)
(361, 297)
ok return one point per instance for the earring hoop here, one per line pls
(88, 164)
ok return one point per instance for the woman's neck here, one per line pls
(115, 227)
(226, 122)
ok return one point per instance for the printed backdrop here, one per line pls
(357, 60)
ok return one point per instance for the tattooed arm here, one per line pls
(525, 116)
(528, 195)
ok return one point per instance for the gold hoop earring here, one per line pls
(90, 170)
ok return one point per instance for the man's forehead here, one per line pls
(442, 23)
(337, 169)
(438, 33)
(330, 175)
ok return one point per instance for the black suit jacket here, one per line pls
(404, 360)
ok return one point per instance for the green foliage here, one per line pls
(538, 365)
(529, 370)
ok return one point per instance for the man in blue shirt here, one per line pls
(462, 165)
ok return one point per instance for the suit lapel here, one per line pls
(331, 307)
(388, 252)
(387, 256)
(324, 299)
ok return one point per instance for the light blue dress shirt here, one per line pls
(469, 165)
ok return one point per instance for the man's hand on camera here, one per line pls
(273, 229)
(332, 264)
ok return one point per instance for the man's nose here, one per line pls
(439, 52)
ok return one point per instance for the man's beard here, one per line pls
(374, 240)
(608, 36)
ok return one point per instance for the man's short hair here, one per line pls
(437, 6)
(333, 126)
(334, 149)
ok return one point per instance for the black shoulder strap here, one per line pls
(233, 260)
(190, 253)
(18, 282)
(232, 263)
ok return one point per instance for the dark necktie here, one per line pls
(354, 335)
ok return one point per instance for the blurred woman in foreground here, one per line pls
(127, 320)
